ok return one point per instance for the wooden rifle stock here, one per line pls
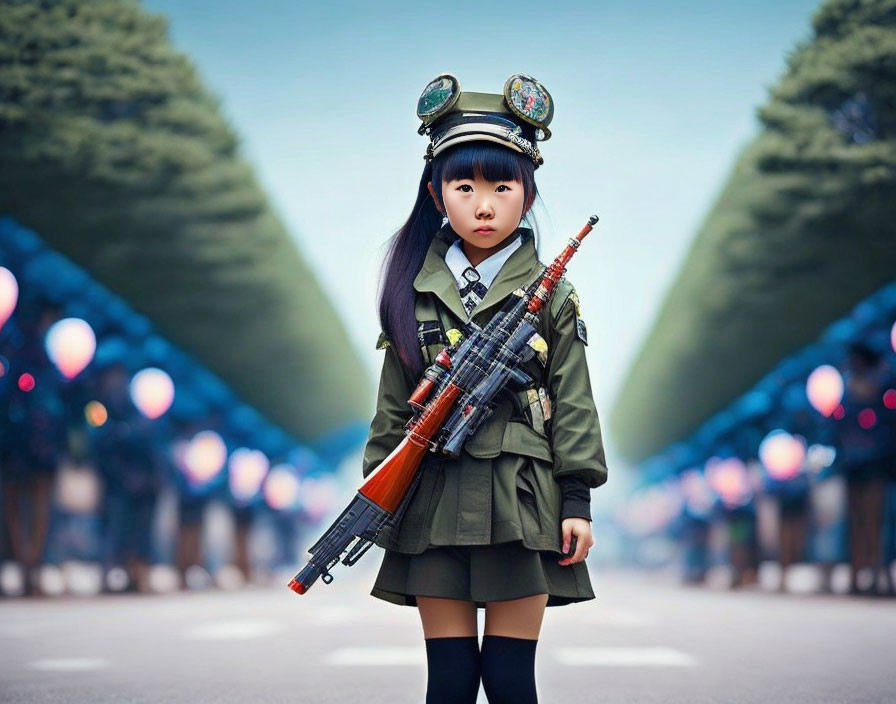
(388, 483)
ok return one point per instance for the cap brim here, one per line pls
(474, 137)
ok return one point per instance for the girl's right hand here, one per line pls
(581, 528)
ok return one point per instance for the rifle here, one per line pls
(453, 397)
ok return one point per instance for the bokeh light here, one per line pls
(729, 479)
(782, 454)
(9, 294)
(819, 457)
(204, 457)
(281, 488)
(96, 413)
(248, 468)
(26, 382)
(867, 418)
(890, 398)
(824, 388)
(70, 345)
(152, 391)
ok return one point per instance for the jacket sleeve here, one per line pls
(392, 410)
(576, 497)
(576, 439)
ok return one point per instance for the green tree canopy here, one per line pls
(802, 230)
(112, 150)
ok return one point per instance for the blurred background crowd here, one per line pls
(183, 397)
(798, 493)
(113, 477)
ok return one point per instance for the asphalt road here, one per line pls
(643, 640)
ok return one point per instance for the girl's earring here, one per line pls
(444, 220)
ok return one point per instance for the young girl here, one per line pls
(506, 525)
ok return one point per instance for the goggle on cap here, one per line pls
(517, 118)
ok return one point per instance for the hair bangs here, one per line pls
(492, 161)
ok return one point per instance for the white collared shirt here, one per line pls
(487, 270)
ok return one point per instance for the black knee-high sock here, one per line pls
(508, 669)
(452, 670)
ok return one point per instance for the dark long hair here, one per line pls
(407, 247)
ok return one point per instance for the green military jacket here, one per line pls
(502, 487)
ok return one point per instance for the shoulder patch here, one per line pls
(581, 332)
(574, 297)
(382, 341)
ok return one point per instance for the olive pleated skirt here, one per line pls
(480, 573)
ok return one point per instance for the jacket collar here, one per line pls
(434, 276)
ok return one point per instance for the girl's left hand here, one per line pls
(581, 528)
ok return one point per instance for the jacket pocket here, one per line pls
(521, 439)
(488, 440)
(529, 504)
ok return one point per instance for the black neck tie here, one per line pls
(473, 291)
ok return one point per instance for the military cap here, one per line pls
(517, 118)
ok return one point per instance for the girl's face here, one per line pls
(484, 213)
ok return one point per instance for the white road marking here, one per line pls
(378, 656)
(615, 657)
(69, 664)
(235, 630)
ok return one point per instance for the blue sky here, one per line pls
(653, 101)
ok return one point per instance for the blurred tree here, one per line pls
(114, 152)
(802, 230)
